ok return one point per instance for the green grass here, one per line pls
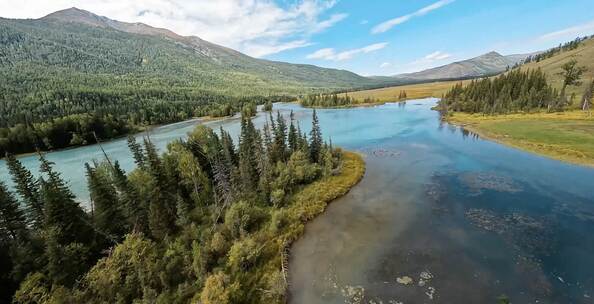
(565, 136)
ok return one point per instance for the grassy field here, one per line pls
(566, 136)
(413, 91)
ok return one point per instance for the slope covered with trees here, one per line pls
(73, 73)
(206, 222)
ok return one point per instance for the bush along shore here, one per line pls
(208, 221)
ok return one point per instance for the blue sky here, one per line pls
(454, 31)
(373, 37)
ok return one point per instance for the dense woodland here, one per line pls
(63, 81)
(194, 224)
(514, 91)
(332, 101)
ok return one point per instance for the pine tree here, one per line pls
(137, 152)
(13, 222)
(279, 146)
(107, 215)
(228, 148)
(316, 141)
(162, 206)
(247, 158)
(293, 137)
(28, 188)
(62, 212)
(134, 211)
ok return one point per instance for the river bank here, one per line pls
(565, 136)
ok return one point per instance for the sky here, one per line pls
(372, 37)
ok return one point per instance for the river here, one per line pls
(441, 216)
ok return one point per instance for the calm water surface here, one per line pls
(441, 216)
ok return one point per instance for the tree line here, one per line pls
(60, 118)
(514, 91)
(568, 46)
(187, 225)
(331, 100)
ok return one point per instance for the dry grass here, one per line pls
(413, 91)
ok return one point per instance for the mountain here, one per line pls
(487, 64)
(77, 47)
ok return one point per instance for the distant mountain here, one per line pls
(76, 47)
(487, 64)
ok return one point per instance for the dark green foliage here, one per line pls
(511, 92)
(107, 208)
(28, 188)
(64, 81)
(13, 223)
(184, 226)
(315, 135)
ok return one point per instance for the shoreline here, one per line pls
(143, 129)
(539, 149)
(312, 201)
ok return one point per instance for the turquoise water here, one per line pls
(465, 219)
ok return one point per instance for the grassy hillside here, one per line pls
(584, 55)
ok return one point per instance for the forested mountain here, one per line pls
(80, 41)
(485, 65)
(73, 74)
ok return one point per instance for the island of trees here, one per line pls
(206, 222)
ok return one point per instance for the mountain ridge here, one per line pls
(487, 64)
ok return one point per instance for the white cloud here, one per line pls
(363, 22)
(385, 65)
(331, 54)
(426, 62)
(387, 25)
(570, 32)
(437, 55)
(257, 27)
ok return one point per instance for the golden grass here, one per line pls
(413, 91)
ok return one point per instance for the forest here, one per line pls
(206, 221)
(514, 91)
(55, 118)
(333, 100)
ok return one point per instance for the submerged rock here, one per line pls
(405, 280)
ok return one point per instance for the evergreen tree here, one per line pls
(247, 158)
(28, 188)
(13, 222)
(137, 152)
(293, 137)
(279, 146)
(316, 141)
(62, 212)
(107, 215)
(162, 205)
(135, 212)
